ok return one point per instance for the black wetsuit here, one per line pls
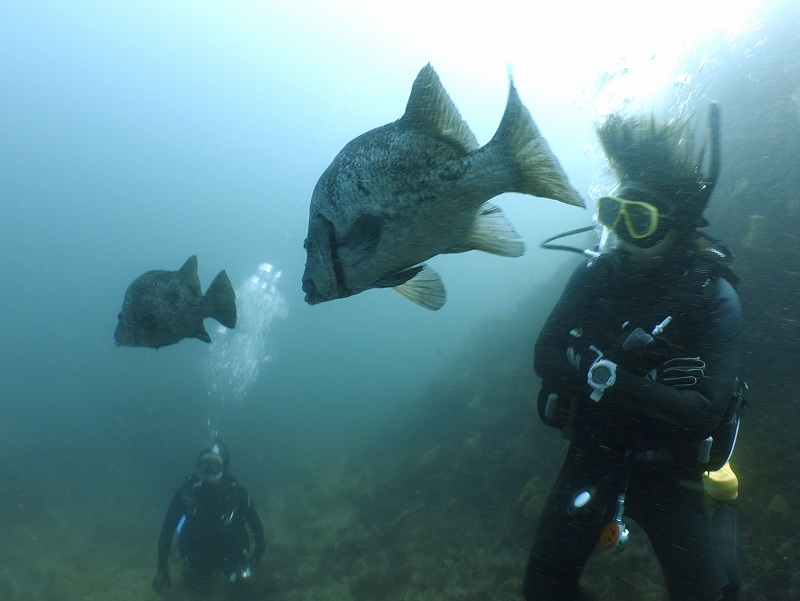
(642, 438)
(212, 522)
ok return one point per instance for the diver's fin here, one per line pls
(220, 302)
(361, 240)
(493, 233)
(536, 169)
(425, 288)
(429, 107)
(188, 273)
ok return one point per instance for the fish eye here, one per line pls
(305, 244)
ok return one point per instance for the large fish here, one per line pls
(402, 193)
(164, 307)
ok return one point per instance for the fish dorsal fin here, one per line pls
(493, 233)
(425, 288)
(430, 108)
(188, 273)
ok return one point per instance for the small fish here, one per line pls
(402, 193)
(164, 307)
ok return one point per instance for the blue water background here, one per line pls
(133, 135)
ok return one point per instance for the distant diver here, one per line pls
(216, 522)
(164, 307)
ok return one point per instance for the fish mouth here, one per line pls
(122, 336)
(323, 279)
(313, 297)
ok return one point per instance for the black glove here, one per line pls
(680, 372)
(581, 353)
(161, 581)
(642, 351)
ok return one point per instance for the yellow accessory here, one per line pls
(641, 218)
(722, 485)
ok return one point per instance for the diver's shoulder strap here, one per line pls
(714, 258)
(722, 440)
(709, 262)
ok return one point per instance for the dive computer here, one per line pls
(601, 375)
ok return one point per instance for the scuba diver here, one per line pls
(216, 522)
(639, 362)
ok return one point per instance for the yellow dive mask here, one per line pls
(641, 218)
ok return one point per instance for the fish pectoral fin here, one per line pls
(493, 233)
(398, 278)
(362, 238)
(429, 107)
(425, 288)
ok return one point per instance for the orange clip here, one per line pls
(610, 535)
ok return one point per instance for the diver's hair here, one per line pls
(667, 158)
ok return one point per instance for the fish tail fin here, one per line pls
(220, 301)
(535, 168)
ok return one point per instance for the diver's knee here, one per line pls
(730, 592)
(545, 582)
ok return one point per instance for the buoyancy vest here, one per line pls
(712, 260)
